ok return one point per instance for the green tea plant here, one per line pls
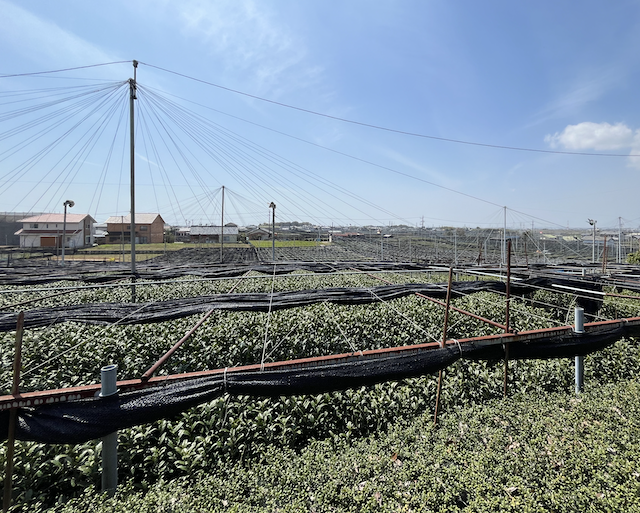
(243, 429)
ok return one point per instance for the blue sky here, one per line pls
(554, 76)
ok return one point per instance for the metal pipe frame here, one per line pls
(32, 399)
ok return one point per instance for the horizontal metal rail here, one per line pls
(433, 300)
(31, 399)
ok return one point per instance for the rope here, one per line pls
(332, 317)
(53, 358)
(266, 329)
(404, 316)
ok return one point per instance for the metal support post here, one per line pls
(13, 416)
(442, 344)
(579, 361)
(132, 159)
(506, 320)
(109, 376)
(272, 205)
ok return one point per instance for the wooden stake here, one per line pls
(13, 415)
(444, 339)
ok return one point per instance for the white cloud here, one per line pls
(598, 137)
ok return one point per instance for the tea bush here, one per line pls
(238, 433)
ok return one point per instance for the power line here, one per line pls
(62, 70)
(393, 130)
(386, 168)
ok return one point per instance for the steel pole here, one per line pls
(108, 379)
(222, 228)
(579, 360)
(132, 97)
(64, 232)
(273, 231)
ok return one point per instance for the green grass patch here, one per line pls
(287, 243)
(159, 247)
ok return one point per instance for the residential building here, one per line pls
(149, 229)
(258, 234)
(46, 231)
(212, 233)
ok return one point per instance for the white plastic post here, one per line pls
(579, 362)
(109, 375)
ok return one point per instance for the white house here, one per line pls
(46, 231)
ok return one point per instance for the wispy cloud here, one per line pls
(43, 42)
(591, 85)
(248, 38)
(429, 173)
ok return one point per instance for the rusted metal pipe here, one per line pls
(13, 414)
(34, 399)
(469, 314)
(444, 339)
(438, 302)
(176, 346)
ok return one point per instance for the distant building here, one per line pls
(100, 235)
(149, 229)
(208, 234)
(258, 234)
(182, 234)
(46, 231)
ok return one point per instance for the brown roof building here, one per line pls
(149, 229)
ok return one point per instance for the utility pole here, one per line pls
(70, 204)
(504, 238)
(273, 231)
(222, 229)
(593, 223)
(619, 240)
(455, 246)
(132, 97)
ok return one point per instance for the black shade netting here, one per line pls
(88, 419)
(159, 311)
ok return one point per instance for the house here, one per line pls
(100, 234)
(258, 234)
(46, 231)
(182, 234)
(212, 233)
(149, 229)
